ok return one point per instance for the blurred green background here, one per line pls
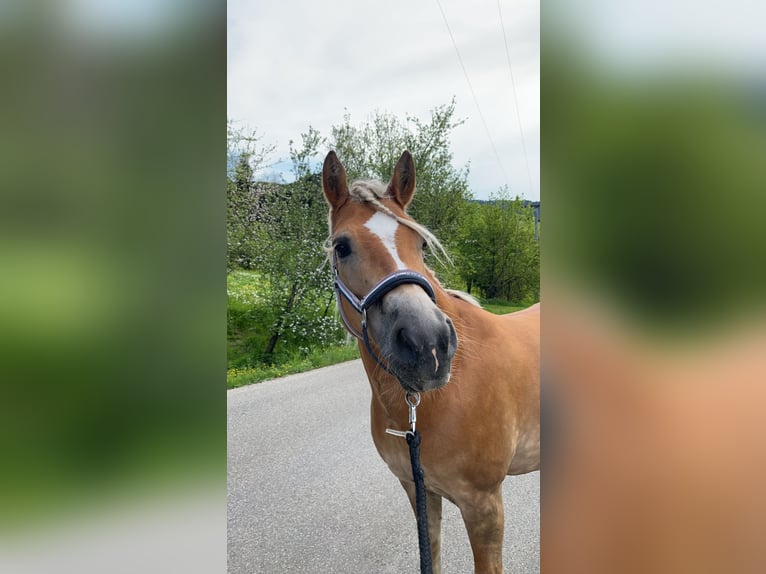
(654, 172)
(112, 256)
(653, 285)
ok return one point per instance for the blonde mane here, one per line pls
(463, 296)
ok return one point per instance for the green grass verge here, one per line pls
(296, 364)
(500, 307)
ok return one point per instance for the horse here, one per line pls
(477, 374)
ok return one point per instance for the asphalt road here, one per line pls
(309, 493)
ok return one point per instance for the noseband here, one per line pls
(388, 283)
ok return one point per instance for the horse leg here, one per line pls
(434, 511)
(483, 515)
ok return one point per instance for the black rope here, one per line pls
(413, 440)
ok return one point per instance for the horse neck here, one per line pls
(386, 390)
(462, 313)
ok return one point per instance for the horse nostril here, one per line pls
(403, 338)
(406, 344)
(445, 336)
(443, 343)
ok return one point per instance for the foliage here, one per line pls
(498, 253)
(310, 326)
(291, 231)
(277, 230)
(371, 151)
(244, 198)
(657, 188)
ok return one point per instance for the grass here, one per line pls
(295, 364)
(500, 307)
(249, 317)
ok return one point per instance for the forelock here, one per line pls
(371, 191)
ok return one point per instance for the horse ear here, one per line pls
(334, 181)
(402, 184)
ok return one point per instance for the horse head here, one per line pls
(386, 294)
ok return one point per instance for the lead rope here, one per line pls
(413, 441)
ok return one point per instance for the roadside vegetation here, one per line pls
(281, 309)
(246, 315)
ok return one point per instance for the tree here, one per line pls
(290, 233)
(244, 145)
(443, 192)
(498, 252)
(244, 198)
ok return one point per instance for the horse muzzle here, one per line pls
(416, 338)
(419, 342)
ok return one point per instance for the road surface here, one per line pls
(309, 493)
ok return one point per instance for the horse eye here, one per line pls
(342, 249)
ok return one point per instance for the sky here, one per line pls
(296, 63)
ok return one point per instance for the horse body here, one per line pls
(480, 421)
(481, 426)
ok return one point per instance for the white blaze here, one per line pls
(384, 227)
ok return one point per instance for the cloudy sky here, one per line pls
(296, 63)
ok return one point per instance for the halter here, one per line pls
(388, 283)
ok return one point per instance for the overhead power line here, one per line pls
(515, 98)
(473, 94)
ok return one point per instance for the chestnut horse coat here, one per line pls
(478, 376)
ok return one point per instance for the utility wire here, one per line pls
(473, 94)
(515, 98)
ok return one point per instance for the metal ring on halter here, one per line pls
(416, 402)
(413, 404)
(412, 398)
